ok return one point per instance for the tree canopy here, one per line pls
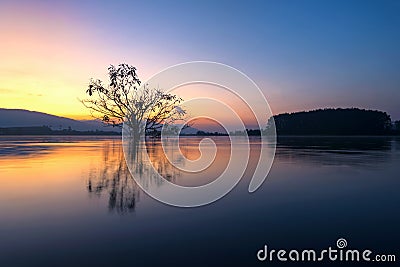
(125, 100)
(349, 121)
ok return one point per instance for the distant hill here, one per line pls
(44, 130)
(340, 121)
(26, 118)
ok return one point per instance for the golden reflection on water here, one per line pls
(45, 171)
(50, 175)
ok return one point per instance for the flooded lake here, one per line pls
(71, 201)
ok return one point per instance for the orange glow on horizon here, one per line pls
(48, 55)
(46, 67)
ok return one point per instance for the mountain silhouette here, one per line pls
(26, 118)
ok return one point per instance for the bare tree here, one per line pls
(124, 100)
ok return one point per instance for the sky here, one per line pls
(302, 54)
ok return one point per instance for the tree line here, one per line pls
(331, 121)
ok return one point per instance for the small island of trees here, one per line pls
(339, 121)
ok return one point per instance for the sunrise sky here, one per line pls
(302, 54)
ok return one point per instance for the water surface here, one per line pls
(70, 201)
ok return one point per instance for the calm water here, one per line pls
(70, 201)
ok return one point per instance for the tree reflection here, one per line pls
(148, 162)
(365, 152)
(112, 174)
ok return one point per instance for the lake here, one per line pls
(71, 201)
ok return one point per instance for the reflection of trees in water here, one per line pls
(354, 151)
(143, 159)
(112, 175)
(336, 143)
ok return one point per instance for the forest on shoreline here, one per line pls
(339, 121)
